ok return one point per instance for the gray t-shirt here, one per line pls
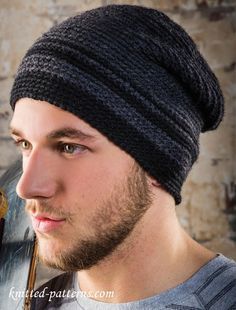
(213, 287)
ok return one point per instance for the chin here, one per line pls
(50, 248)
(52, 252)
(53, 257)
(49, 257)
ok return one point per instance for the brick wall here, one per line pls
(208, 210)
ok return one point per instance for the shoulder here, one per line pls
(218, 290)
(52, 293)
(212, 287)
(223, 270)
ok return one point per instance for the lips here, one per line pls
(45, 224)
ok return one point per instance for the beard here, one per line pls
(111, 224)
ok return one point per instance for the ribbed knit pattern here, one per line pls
(134, 75)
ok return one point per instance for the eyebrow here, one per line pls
(66, 132)
(69, 133)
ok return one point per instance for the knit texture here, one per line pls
(134, 75)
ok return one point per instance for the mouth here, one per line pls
(45, 224)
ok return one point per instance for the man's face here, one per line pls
(83, 194)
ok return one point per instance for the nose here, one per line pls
(38, 177)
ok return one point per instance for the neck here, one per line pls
(158, 255)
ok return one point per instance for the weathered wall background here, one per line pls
(208, 210)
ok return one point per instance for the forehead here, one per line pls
(35, 116)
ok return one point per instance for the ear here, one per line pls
(153, 182)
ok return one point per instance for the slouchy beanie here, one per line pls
(134, 75)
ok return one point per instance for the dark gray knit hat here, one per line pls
(134, 75)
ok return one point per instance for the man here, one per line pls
(108, 108)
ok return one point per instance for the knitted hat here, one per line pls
(134, 75)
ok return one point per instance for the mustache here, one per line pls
(35, 207)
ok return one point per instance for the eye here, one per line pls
(71, 149)
(23, 144)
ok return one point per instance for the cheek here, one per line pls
(89, 181)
